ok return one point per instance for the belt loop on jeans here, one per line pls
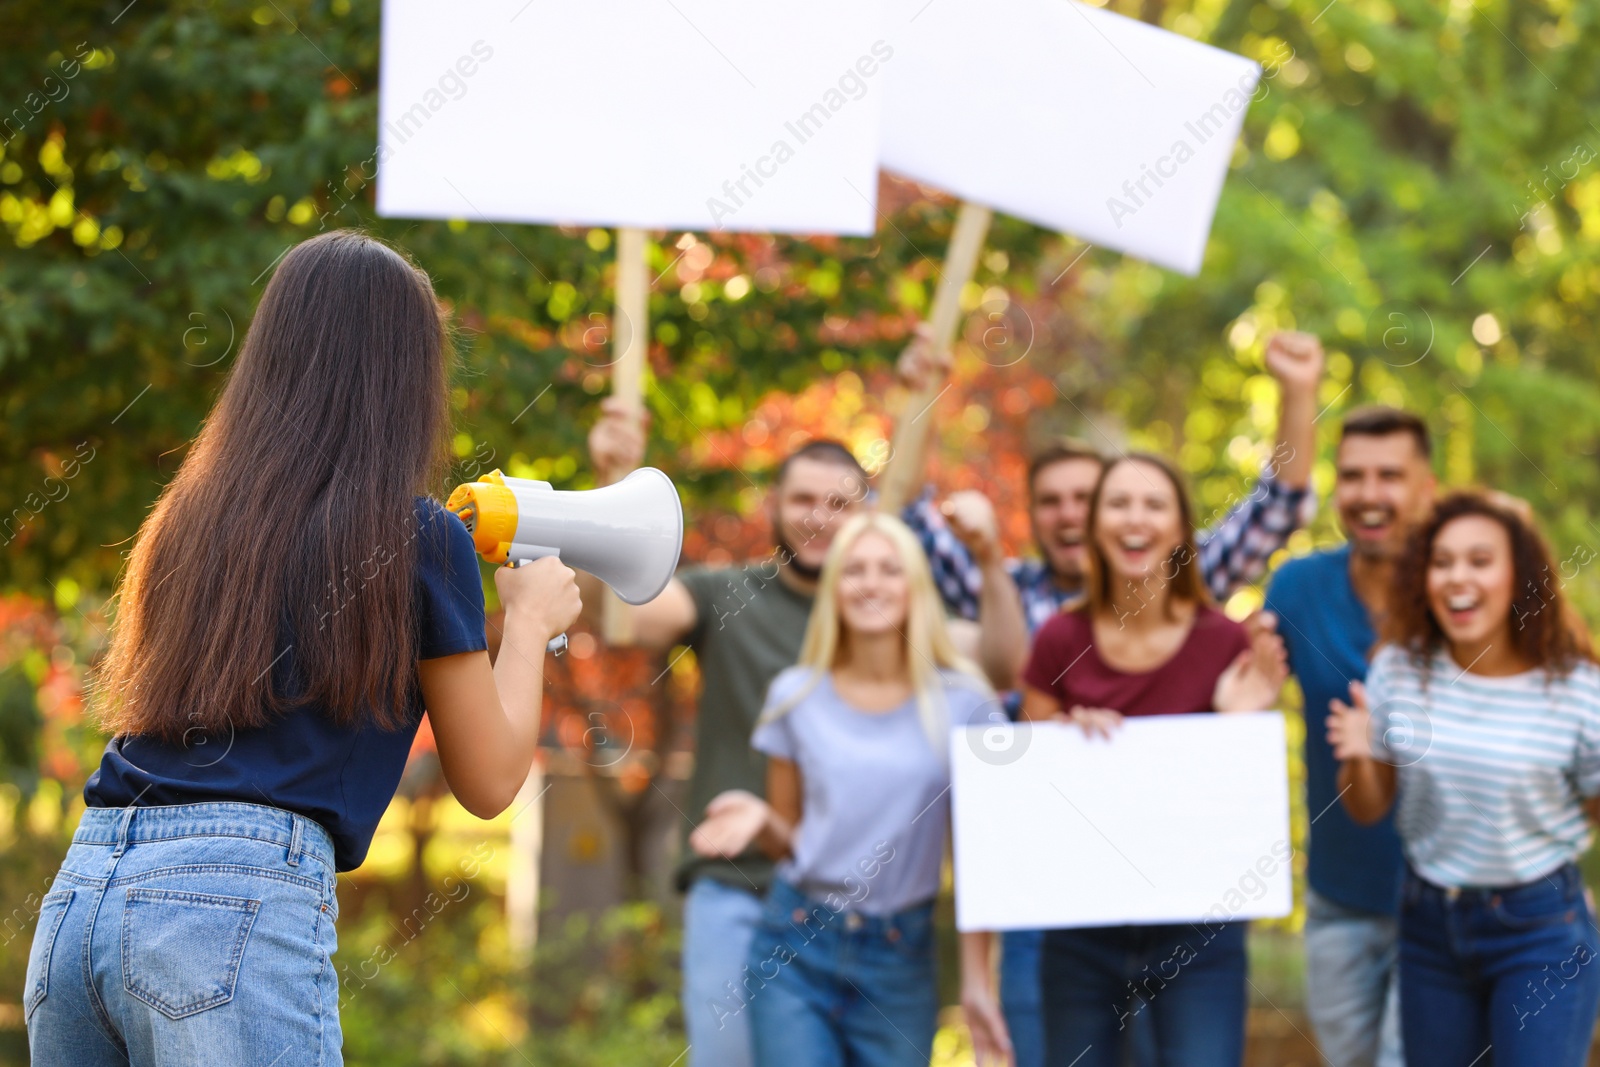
(294, 840)
(123, 826)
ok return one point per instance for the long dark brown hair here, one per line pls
(1545, 629)
(1181, 572)
(289, 532)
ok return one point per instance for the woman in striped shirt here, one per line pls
(1482, 712)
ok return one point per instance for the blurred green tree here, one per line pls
(192, 144)
(1416, 183)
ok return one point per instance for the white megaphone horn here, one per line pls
(627, 534)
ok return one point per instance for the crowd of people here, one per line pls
(1451, 700)
(1462, 914)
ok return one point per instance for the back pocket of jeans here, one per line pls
(52, 910)
(181, 951)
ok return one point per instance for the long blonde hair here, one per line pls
(929, 647)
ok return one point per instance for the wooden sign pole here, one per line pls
(630, 335)
(913, 425)
(522, 876)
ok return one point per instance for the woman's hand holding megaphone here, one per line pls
(542, 596)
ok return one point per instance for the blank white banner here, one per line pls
(1078, 119)
(1178, 818)
(693, 114)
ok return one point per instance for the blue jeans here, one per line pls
(840, 988)
(190, 935)
(718, 922)
(1353, 984)
(1020, 1003)
(1514, 968)
(1019, 994)
(1189, 978)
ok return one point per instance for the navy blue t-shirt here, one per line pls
(1328, 635)
(304, 762)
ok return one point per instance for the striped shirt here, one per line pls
(1492, 772)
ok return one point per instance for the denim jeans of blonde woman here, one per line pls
(840, 988)
(196, 934)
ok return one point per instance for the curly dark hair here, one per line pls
(1544, 627)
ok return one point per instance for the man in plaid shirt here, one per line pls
(1233, 552)
(961, 538)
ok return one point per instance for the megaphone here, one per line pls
(627, 534)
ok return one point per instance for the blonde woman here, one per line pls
(842, 969)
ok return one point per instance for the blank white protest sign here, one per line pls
(657, 114)
(1074, 118)
(1178, 818)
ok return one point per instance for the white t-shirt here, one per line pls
(875, 793)
(1492, 771)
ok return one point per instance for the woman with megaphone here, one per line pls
(857, 735)
(292, 604)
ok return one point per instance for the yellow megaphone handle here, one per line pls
(489, 510)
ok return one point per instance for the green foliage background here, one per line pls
(1409, 167)
(1418, 183)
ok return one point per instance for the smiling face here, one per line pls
(1471, 579)
(810, 505)
(1060, 514)
(1384, 489)
(1139, 523)
(874, 593)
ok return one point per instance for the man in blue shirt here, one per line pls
(1328, 608)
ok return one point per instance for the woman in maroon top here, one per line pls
(1145, 640)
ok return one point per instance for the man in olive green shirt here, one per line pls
(745, 623)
